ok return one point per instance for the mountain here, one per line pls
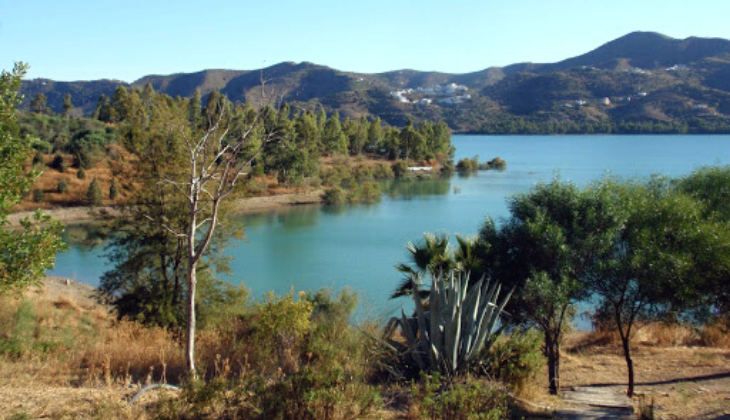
(642, 76)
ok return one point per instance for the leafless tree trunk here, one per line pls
(214, 164)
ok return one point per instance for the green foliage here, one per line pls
(517, 360)
(62, 186)
(467, 165)
(81, 173)
(26, 252)
(38, 195)
(334, 196)
(329, 381)
(94, 195)
(59, 164)
(496, 163)
(434, 398)
(113, 190)
(400, 169)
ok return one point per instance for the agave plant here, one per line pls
(451, 327)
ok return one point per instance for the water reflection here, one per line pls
(410, 188)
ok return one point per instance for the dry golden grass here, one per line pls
(120, 169)
(685, 372)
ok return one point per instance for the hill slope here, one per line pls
(642, 76)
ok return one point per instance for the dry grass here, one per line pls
(119, 168)
(682, 370)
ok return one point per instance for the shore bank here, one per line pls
(246, 205)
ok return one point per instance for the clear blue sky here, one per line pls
(92, 39)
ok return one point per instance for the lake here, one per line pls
(358, 246)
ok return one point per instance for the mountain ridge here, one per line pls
(639, 62)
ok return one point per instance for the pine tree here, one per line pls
(93, 195)
(67, 105)
(39, 105)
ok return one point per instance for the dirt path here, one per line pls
(596, 403)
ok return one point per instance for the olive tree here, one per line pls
(543, 250)
(661, 251)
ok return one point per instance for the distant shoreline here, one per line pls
(83, 214)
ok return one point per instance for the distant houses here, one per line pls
(448, 94)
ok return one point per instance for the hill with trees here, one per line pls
(641, 82)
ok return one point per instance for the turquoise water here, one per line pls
(358, 246)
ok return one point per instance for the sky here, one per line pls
(125, 40)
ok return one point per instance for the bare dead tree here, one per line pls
(215, 160)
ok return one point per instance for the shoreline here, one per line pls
(83, 214)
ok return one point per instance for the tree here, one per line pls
(39, 104)
(543, 249)
(333, 139)
(148, 251)
(94, 195)
(216, 156)
(710, 186)
(29, 251)
(68, 106)
(660, 253)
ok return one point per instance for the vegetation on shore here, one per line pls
(646, 250)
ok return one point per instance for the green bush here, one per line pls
(113, 191)
(94, 195)
(517, 360)
(400, 169)
(334, 196)
(367, 192)
(62, 186)
(38, 195)
(59, 164)
(433, 398)
(81, 173)
(383, 171)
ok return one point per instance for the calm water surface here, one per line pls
(311, 247)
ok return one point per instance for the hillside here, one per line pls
(640, 78)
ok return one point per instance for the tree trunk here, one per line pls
(190, 341)
(629, 365)
(552, 351)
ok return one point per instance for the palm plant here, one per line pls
(434, 256)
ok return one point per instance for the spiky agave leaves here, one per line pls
(449, 330)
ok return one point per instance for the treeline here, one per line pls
(303, 137)
(517, 125)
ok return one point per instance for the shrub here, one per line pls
(38, 195)
(433, 398)
(467, 165)
(94, 196)
(334, 196)
(113, 191)
(62, 186)
(383, 171)
(81, 173)
(400, 169)
(368, 192)
(282, 324)
(517, 360)
(59, 164)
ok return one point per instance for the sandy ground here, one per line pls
(253, 204)
(683, 382)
